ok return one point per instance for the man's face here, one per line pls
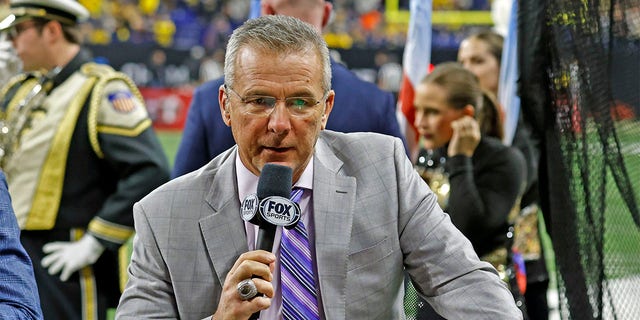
(281, 135)
(27, 39)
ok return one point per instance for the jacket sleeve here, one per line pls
(440, 261)
(149, 289)
(18, 291)
(130, 148)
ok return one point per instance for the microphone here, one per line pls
(275, 180)
(273, 204)
(272, 201)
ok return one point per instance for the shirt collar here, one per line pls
(248, 182)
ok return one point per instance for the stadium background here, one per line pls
(162, 45)
(170, 46)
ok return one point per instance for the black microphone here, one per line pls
(275, 180)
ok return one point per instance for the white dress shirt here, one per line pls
(248, 184)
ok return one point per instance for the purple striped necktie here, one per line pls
(299, 297)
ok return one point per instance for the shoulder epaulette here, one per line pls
(116, 106)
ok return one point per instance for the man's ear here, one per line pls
(223, 100)
(53, 29)
(328, 104)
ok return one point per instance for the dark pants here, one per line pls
(64, 300)
(426, 312)
(536, 299)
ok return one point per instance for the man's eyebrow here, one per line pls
(260, 92)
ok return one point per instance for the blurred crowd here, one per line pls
(183, 24)
(182, 41)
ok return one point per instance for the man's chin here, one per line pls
(281, 163)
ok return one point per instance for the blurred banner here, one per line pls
(508, 86)
(167, 106)
(254, 12)
(416, 59)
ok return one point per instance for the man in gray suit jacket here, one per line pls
(369, 216)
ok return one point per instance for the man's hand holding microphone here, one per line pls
(248, 287)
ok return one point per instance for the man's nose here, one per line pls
(280, 119)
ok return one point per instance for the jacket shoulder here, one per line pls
(344, 78)
(205, 96)
(116, 101)
(361, 144)
(210, 86)
(116, 105)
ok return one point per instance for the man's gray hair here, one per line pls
(280, 35)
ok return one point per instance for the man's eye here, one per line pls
(299, 102)
(261, 101)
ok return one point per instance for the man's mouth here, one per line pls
(277, 149)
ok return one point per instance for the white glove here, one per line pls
(71, 256)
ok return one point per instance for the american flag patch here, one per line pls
(122, 101)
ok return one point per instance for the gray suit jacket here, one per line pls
(374, 217)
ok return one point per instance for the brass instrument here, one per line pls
(19, 118)
(432, 172)
(527, 238)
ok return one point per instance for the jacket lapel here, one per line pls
(333, 205)
(223, 231)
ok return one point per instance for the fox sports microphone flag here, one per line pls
(415, 66)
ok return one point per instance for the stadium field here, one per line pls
(170, 141)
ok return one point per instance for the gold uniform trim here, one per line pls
(88, 291)
(41, 211)
(129, 132)
(46, 201)
(20, 94)
(109, 230)
(12, 82)
(124, 257)
(107, 74)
